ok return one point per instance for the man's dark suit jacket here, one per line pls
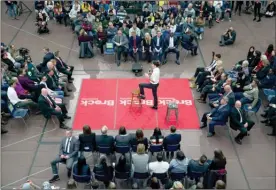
(51, 83)
(154, 42)
(47, 57)
(138, 43)
(172, 139)
(61, 67)
(167, 42)
(235, 123)
(45, 107)
(87, 142)
(105, 140)
(220, 114)
(74, 147)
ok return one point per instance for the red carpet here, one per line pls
(107, 102)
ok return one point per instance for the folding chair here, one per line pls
(18, 113)
(110, 49)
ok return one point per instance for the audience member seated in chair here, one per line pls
(105, 140)
(198, 168)
(135, 46)
(122, 139)
(139, 139)
(123, 166)
(228, 37)
(63, 68)
(81, 170)
(179, 164)
(157, 138)
(48, 108)
(102, 171)
(159, 166)
(172, 139)
(147, 47)
(121, 46)
(18, 103)
(250, 95)
(218, 116)
(269, 81)
(239, 121)
(171, 46)
(86, 45)
(187, 44)
(102, 38)
(87, 140)
(219, 161)
(270, 9)
(68, 153)
(228, 93)
(47, 57)
(111, 31)
(158, 47)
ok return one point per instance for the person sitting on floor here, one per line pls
(218, 116)
(270, 9)
(228, 37)
(238, 121)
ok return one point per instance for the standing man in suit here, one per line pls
(238, 121)
(171, 46)
(135, 46)
(63, 67)
(48, 108)
(158, 45)
(68, 153)
(47, 57)
(121, 45)
(172, 139)
(105, 140)
(153, 83)
(218, 116)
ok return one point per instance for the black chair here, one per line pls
(193, 175)
(105, 150)
(122, 177)
(140, 175)
(178, 176)
(134, 148)
(172, 147)
(156, 148)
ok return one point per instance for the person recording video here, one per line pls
(228, 37)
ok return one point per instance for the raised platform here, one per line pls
(107, 102)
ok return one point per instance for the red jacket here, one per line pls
(87, 26)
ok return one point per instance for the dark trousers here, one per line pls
(135, 55)
(153, 87)
(238, 6)
(174, 50)
(101, 44)
(243, 130)
(148, 56)
(201, 78)
(273, 121)
(68, 73)
(36, 90)
(212, 124)
(60, 115)
(120, 50)
(198, 70)
(65, 19)
(224, 40)
(257, 9)
(206, 90)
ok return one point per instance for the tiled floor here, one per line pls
(26, 152)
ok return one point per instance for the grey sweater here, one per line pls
(252, 94)
(140, 162)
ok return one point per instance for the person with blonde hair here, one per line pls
(147, 47)
(140, 159)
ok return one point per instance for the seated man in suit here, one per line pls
(158, 45)
(187, 43)
(105, 140)
(238, 121)
(47, 57)
(68, 154)
(171, 45)
(121, 46)
(172, 139)
(229, 94)
(63, 67)
(135, 46)
(48, 108)
(228, 37)
(218, 116)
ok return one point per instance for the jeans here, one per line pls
(154, 91)
(12, 10)
(199, 30)
(59, 94)
(69, 163)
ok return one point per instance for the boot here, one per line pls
(192, 79)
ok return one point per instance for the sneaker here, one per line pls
(62, 126)
(177, 62)
(141, 97)
(153, 107)
(193, 85)
(203, 126)
(238, 141)
(3, 131)
(230, 20)
(200, 36)
(55, 178)
(211, 134)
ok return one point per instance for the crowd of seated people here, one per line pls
(235, 93)
(159, 28)
(139, 167)
(39, 88)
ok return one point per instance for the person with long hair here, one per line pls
(147, 47)
(87, 139)
(250, 54)
(102, 37)
(103, 169)
(157, 137)
(140, 139)
(80, 168)
(219, 160)
(269, 51)
(123, 138)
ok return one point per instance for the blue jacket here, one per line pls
(167, 42)
(270, 79)
(220, 114)
(172, 139)
(154, 42)
(138, 43)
